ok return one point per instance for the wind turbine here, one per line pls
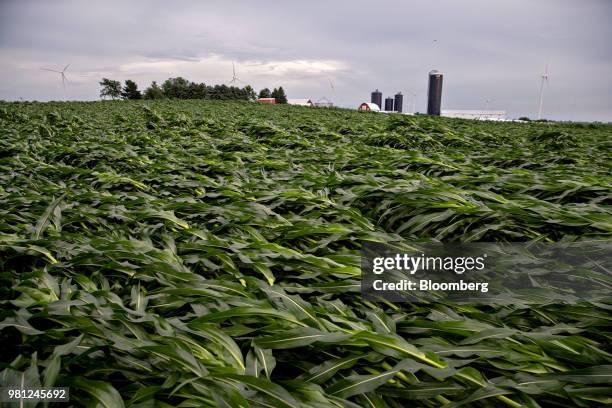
(544, 79)
(325, 101)
(63, 75)
(414, 103)
(234, 77)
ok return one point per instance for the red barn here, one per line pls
(267, 100)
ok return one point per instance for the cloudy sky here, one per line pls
(492, 53)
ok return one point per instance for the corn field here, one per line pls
(204, 254)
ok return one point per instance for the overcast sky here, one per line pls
(487, 50)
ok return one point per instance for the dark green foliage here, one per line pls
(197, 91)
(206, 254)
(265, 93)
(154, 92)
(130, 90)
(110, 88)
(177, 88)
(250, 93)
(279, 95)
(180, 88)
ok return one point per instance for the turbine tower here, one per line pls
(324, 101)
(235, 79)
(544, 80)
(333, 89)
(62, 74)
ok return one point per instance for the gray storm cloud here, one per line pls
(488, 51)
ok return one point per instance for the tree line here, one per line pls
(277, 93)
(181, 88)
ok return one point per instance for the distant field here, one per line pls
(191, 253)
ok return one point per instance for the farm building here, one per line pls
(389, 104)
(434, 93)
(475, 114)
(324, 103)
(369, 107)
(267, 100)
(301, 102)
(376, 97)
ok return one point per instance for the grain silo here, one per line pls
(389, 104)
(377, 98)
(434, 93)
(399, 101)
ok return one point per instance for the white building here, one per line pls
(474, 114)
(369, 107)
(324, 103)
(301, 102)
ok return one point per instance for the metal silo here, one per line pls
(377, 98)
(389, 104)
(399, 101)
(434, 93)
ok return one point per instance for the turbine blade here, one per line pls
(50, 70)
(65, 68)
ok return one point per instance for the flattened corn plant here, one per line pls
(197, 254)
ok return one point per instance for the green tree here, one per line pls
(110, 88)
(223, 91)
(265, 93)
(249, 93)
(181, 88)
(197, 91)
(279, 95)
(154, 92)
(176, 88)
(130, 90)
